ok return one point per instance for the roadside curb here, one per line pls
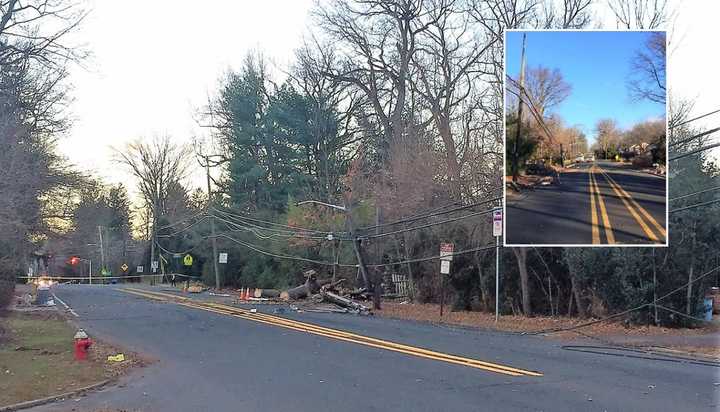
(692, 355)
(53, 398)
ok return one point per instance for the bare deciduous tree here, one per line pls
(546, 88)
(648, 80)
(639, 14)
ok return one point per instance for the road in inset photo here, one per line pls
(585, 138)
(592, 203)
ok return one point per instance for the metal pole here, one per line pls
(212, 226)
(442, 293)
(90, 261)
(497, 278)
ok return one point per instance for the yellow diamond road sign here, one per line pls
(124, 267)
(187, 260)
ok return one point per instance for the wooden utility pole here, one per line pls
(516, 149)
(212, 225)
(102, 250)
(152, 245)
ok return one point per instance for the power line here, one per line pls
(625, 312)
(530, 104)
(432, 213)
(461, 252)
(286, 232)
(692, 152)
(185, 229)
(695, 193)
(427, 225)
(696, 118)
(238, 216)
(695, 205)
(276, 255)
(180, 221)
(705, 133)
(255, 231)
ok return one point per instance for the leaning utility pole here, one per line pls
(516, 149)
(212, 225)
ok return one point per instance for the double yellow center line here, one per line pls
(595, 191)
(330, 333)
(641, 216)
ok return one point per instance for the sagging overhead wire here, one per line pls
(184, 229)
(625, 312)
(483, 212)
(460, 252)
(696, 118)
(688, 139)
(271, 236)
(695, 205)
(281, 256)
(269, 223)
(692, 152)
(432, 213)
(695, 193)
(246, 224)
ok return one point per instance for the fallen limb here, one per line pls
(343, 302)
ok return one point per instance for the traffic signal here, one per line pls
(74, 260)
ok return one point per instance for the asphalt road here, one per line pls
(208, 361)
(595, 203)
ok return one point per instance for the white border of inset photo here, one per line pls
(504, 171)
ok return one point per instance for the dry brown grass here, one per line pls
(431, 313)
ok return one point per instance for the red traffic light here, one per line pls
(74, 260)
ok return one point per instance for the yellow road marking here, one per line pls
(603, 213)
(595, 230)
(622, 195)
(658, 226)
(333, 333)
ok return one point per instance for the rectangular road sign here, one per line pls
(446, 251)
(497, 222)
(444, 267)
(140, 269)
(222, 257)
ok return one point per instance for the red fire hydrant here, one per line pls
(82, 344)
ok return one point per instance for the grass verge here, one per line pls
(36, 358)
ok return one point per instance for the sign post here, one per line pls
(446, 255)
(497, 232)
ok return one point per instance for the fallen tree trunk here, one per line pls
(310, 287)
(343, 302)
(266, 293)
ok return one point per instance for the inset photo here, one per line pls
(585, 138)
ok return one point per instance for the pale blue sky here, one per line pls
(597, 65)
